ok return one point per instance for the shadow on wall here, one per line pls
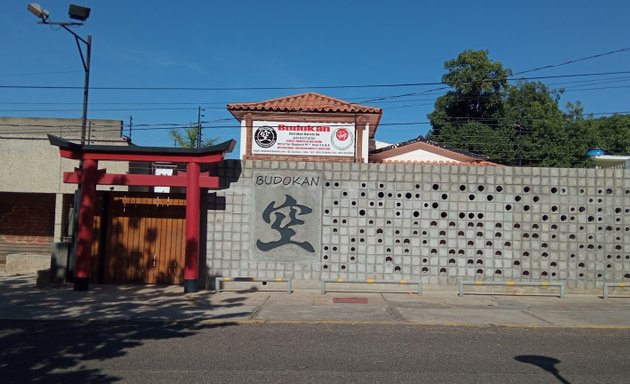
(60, 351)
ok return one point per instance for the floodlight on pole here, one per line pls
(78, 12)
(37, 10)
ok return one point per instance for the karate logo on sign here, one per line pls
(265, 137)
(341, 139)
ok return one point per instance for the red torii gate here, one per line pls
(90, 176)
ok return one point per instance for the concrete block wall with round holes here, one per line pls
(434, 223)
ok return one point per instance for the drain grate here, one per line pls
(351, 300)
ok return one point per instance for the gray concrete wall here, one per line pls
(435, 223)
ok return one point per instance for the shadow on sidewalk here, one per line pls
(35, 351)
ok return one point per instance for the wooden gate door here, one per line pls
(145, 238)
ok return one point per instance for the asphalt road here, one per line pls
(157, 352)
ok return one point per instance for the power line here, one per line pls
(574, 61)
(391, 85)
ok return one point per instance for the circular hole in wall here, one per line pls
(436, 187)
(525, 273)
(499, 188)
(471, 197)
(480, 271)
(388, 259)
(442, 271)
(462, 187)
(325, 266)
(498, 272)
(425, 270)
(517, 263)
(397, 268)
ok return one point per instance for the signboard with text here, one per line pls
(305, 139)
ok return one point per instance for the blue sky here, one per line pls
(248, 44)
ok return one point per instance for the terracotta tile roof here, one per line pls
(304, 102)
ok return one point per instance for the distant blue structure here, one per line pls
(594, 152)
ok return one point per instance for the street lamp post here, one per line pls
(76, 12)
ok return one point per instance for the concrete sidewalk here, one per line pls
(20, 299)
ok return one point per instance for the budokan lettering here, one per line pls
(303, 128)
(295, 181)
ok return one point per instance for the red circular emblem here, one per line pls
(342, 134)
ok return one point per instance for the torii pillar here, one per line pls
(90, 176)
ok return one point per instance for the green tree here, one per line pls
(187, 138)
(470, 115)
(520, 124)
(479, 86)
(611, 133)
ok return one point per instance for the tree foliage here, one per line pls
(187, 138)
(517, 124)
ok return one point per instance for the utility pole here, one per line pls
(199, 109)
(130, 126)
